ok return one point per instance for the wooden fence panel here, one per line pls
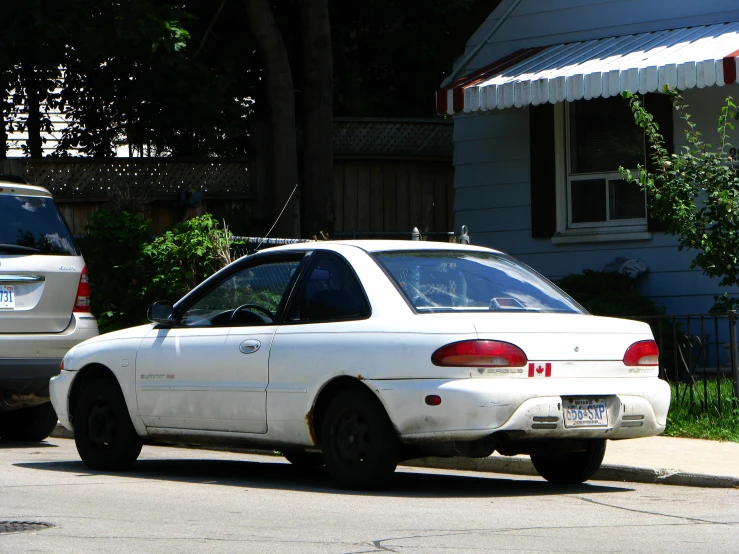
(393, 195)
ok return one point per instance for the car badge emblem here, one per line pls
(577, 349)
(480, 370)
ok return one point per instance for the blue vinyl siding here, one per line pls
(546, 22)
(493, 198)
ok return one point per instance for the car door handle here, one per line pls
(249, 346)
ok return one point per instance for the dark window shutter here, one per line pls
(543, 177)
(660, 106)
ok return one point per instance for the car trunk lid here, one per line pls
(558, 337)
(41, 299)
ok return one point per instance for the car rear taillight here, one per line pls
(644, 352)
(479, 353)
(82, 303)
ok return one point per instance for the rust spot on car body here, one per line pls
(360, 377)
(309, 423)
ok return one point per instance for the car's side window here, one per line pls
(329, 291)
(248, 297)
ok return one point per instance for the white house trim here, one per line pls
(645, 62)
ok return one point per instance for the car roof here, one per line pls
(9, 187)
(370, 245)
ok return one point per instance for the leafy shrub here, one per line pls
(183, 257)
(608, 293)
(112, 248)
(128, 270)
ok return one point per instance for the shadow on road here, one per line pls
(284, 476)
(26, 445)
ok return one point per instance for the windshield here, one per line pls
(438, 280)
(33, 225)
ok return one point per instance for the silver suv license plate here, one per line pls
(7, 297)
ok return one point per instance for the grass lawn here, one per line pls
(707, 415)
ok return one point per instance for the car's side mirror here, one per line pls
(161, 312)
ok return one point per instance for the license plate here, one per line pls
(585, 412)
(7, 297)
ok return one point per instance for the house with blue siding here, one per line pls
(540, 130)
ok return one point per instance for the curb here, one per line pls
(516, 465)
(523, 466)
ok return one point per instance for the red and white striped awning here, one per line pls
(681, 58)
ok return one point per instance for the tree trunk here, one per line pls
(281, 108)
(33, 104)
(4, 120)
(318, 129)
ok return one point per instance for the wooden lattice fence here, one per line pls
(390, 175)
(154, 186)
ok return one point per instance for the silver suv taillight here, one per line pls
(82, 303)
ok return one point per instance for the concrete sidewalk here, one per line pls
(665, 460)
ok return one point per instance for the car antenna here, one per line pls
(278, 218)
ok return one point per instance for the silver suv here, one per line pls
(44, 306)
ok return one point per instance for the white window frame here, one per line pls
(597, 231)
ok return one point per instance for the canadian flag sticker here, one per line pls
(540, 370)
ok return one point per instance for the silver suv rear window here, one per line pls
(33, 225)
(441, 280)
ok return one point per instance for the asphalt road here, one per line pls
(181, 500)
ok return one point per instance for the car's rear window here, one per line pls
(450, 280)
(34, 222)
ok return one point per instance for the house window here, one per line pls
(601, 136)
(597, 137)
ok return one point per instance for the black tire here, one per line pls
(32, 424)
(103, 432)
(571, 468)
(304, 459)
(360, 447)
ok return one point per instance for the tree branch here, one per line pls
(210, 27)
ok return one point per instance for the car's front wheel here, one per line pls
(572, 467)
(103, 432)
(360, 447)
(32, 424)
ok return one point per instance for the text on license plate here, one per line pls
(585, 412)
(7, 297)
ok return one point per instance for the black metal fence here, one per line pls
(698, 355)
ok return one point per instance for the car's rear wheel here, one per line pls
(32, 424)
(360, 447)
(573, 467)
(103, 432)
(304, 459)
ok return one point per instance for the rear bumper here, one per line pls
(28, 375)
(473, 409)
(28, 361)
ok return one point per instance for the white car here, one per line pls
(357, 355)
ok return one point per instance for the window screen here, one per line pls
(603, 136)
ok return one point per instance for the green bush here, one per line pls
(608, 293)
(184, 256)
(112, 247)
(128, 270)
